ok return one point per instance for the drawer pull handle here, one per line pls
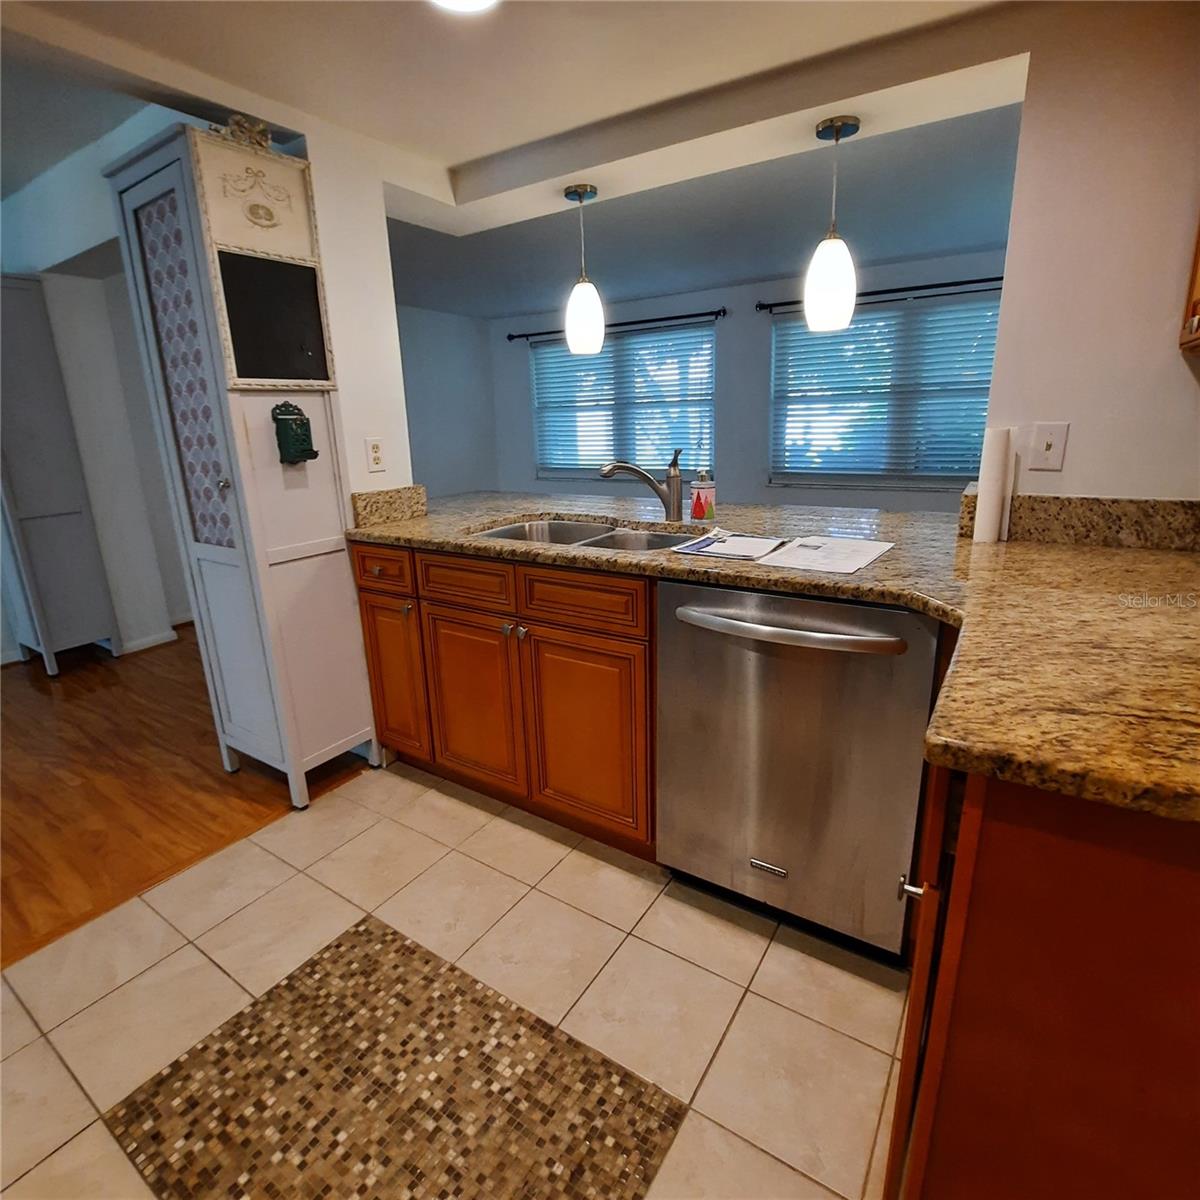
(907, 889)
(377, 570)
(771, 869)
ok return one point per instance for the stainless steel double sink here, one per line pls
(587, 533)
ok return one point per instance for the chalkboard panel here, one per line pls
(274, 318)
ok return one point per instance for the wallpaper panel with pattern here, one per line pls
(187, 369)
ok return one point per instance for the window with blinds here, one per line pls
(898, 399)
(647, 392)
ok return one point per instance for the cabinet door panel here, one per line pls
(392, 631)
(475, 696)
(587, 712)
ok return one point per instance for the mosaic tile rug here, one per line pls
(377, 1069)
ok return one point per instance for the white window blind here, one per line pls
(898, 398)
(647, 392)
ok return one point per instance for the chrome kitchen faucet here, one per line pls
(670, 491)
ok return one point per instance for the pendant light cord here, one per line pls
(582, 251)
(837, 137)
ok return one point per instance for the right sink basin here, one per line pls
(638, 539)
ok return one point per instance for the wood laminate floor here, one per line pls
(110, 781)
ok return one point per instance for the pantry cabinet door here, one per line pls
(473, 671)
(392, 633)
(586, 707)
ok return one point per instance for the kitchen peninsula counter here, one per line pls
(1077, 670)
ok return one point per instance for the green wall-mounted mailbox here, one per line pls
(293, 433)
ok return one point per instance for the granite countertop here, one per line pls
(1077, 670)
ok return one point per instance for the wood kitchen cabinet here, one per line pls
(588, 730)
(1059, 1052)
(531, 683)
(392, 634)
(475, 705)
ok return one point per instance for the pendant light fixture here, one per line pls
(466, 6)
(585, 311)
(830, 284)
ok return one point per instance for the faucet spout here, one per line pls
(669, 493)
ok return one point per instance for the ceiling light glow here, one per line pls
(466, 6)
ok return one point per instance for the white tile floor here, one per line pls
(783, 1045)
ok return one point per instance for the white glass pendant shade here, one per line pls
(830, 286)
(466, 6)
(585, 319)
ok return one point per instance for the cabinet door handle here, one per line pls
(408, 608)
(377, 570)
(521, 632)
(906, 889)
(223, 485)
(506, 629)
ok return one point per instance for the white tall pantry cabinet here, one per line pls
(220, 248)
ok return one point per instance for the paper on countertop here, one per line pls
(720, 543)
(839, 556)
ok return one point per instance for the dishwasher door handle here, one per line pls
(813, 639)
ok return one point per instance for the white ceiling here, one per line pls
(47, 113)
(941, 189)
(452, 88)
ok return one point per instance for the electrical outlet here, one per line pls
(1048, 446)
(375, 454)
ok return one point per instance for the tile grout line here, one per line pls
(369, 811)
(737, 1008)
(484, 934)
(571, 1007)
(241, 908)
(712, 1058)
(741, 1137)
(893, 1066)
(83, 1091)
(116, 987)
(446, 850)
(205, 954)
(99, 1119)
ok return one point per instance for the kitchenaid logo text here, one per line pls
(1166, 600)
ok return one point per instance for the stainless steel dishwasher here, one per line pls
(790, 750)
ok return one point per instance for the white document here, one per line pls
(720, 543)
(840, 556)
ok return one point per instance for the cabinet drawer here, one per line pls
(610, 603)
(382, 570)
(474, 582)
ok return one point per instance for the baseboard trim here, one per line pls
(155, 639)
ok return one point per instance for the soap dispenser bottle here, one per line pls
(704, 498)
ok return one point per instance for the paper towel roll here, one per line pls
(993, 484)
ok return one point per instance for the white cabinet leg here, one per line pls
(298, 787)
(229, 759)
(376, 753)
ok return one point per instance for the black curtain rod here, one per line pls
(763, 306)
(715, 313)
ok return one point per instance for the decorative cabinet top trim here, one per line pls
(259, 202)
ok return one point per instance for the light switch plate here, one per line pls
(1048, 446)
(375, 454)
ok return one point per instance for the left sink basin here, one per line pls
(562, 532)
